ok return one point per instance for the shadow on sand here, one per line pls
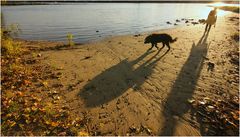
(176, 103)
(117, 79)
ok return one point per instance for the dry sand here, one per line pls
(123, 87)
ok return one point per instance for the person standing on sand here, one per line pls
(211, 20)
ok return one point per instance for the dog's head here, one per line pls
(148, 39)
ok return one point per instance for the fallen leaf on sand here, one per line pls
(83, 133)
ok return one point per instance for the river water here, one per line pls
(93, 21)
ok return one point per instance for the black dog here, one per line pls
(158, 38)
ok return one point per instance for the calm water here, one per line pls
(93, 21)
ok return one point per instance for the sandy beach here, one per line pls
(126, 89)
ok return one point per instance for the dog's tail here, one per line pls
(173, 40)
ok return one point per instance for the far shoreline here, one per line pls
(16, 3)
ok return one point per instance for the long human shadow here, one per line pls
(117, 79)
(176, 103)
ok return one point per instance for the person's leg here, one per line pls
(206, 27)
(209, 27)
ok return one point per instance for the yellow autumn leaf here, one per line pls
(13, 123)
(35, 104)
(9, 94)
(34, 108)
(35, 120)
(48, 122)
(54, 124)
(26, 116)
(27, 110)
(83, 133)
(21, 126)
(45, 83)
(49, 104)
(42, 109)
(101, 125)
(27, 121)
(9, 115)
(19, 93)
(38, 99)
(27, 82)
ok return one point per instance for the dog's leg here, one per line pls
(168, 46)
(163, 45)
(151, 47)
(156, 46)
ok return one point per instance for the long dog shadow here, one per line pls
(184, 86)
(117, 79)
